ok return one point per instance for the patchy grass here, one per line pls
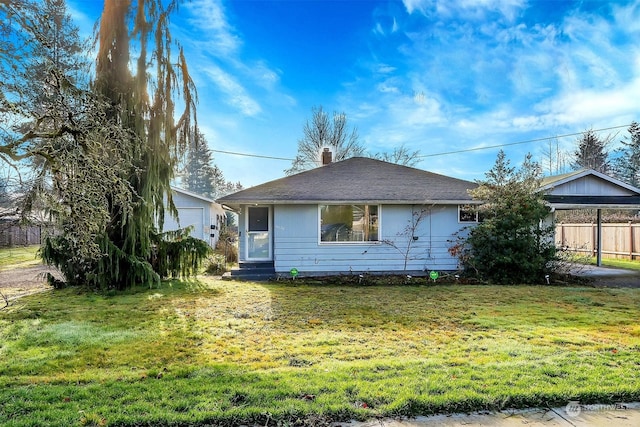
(618, 263)
(19, 256)
(227, 353)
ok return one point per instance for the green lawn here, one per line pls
(619, 263)
(18, 256)
(224, 353)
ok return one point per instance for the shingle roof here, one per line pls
(361, 180)
(550, 181)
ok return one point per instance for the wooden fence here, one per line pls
(16, 235)
(618, 240)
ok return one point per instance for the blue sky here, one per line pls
(435, 75)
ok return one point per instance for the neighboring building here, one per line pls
(16, 232)
(205, 215)
(353, 216)
(589, 189)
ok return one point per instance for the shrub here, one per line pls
(227, 247)
(514, 242)
(215, 264)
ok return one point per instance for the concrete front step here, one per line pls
(254, 271)
(249, 276)
(249, 265)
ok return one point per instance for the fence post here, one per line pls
(630, 241)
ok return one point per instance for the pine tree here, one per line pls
(627, 162)
(592, 152)
(201, 175)
(512, 244)
(198, 173)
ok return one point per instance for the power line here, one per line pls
(466, 150)
(519, 142)
(252, 155)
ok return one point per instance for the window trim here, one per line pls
(358, 242)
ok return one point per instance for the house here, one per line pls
(359, 215)
(203, 214)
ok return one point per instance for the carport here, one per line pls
(589, 189)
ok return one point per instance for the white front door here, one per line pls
(258, 233)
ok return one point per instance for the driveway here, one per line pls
(608, 277)
(22, 281)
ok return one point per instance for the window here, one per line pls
(468, 213)
(349, 223)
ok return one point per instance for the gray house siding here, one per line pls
(204, 215)
(296, 245)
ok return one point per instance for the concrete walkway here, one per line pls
(572, 415)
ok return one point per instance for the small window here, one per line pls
(468, 213)
(348, 223)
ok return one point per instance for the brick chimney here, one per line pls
(326, 157)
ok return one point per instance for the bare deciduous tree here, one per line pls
(325, 132)
(406, 239)
(401, 156)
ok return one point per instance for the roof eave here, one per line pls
(362, 201)
(568, 206)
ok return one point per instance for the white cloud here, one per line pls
(469, 9)
(419, 5)
(386, 87)
(384, 69)
(591, 106)
(209, 17)
(627, 17)
(237, 95)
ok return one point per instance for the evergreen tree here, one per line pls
(145, 107)
(198, 174)
(51, 120)
(201, 175)
(41, 60)
(138, 116)
(591, 152)
(627, 162)
(511, 244)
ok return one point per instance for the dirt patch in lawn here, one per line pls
(19, 282)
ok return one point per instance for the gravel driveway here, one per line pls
(19, 282)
